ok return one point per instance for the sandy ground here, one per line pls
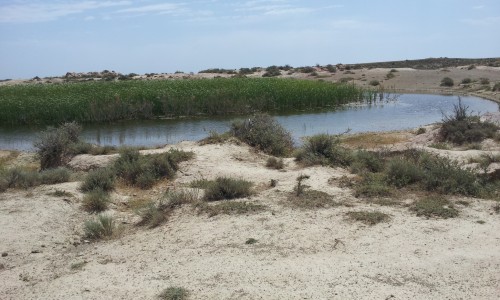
(299, 254)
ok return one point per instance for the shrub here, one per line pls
(311, 199)
(154, 214)
(101, 179)
(144, 170)
(272, 71)
(435, 207)
(216, 138)
(100, 227)
(53, 176)
(18, 177)
(367, 161)
(265, 133)
(331, 68)
(421, 130)
(461, 127)
(375, 82)
(496, 87)
(390, 75)
(466, 81)
(447, 81)
(373, 185)
(307, 69)
(228, 188)
(274, 163)
(174, 293)
(96, 201)
(484, 81)
(323, 149)
(53, 145)
(401, 172)
(368, 217)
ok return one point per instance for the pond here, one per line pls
(405, 111)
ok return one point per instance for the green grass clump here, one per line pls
(100, 227)
(216, 138)
(145, 170)
(311, 199)
(60, 193)
(323, 149)
(435, 206)
(368, 217)
(466, 81)
(101, 179)
(366, 161)
(154, 214)
(96, 201)
(275, 163)
(265, 133)
(226, 188)
(23, 178)
(138, 99)
(229, 208)
(53, 176)
(373, 185)
(174, 293)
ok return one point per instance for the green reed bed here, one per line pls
(108, 101)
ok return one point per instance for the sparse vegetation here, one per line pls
(60, 193)
(265, 133)
(272, 71)
(53, 145)
(174, 293)
(275, 163)
(251, 241)
(102, 179)
(375, 82)
(18, 177)
(435, 206)
(420, 131)
(323, 149)
(462, 127)
(368, 217)
(100, 227)
(496, 87)
(216, 138)
(447, 82)
(154, 214)
(226, 188)
(96, 201)
(466, 81)
(229, 208)
(311, 199)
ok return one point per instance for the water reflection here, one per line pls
(408, 111)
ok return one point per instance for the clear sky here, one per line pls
(51, 37)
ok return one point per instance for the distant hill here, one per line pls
(431, 63)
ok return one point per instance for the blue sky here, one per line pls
(48, 38)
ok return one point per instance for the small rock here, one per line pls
(4, 254)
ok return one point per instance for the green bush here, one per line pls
(96, 201)
(225, 188)
(174, 293)
(466, 81)
(53, 176)
(100, 227)
(447, 81)
(401, 172)
(323, 149)
(53, 145)
(367, 161)
(435, 207)
(462, 127)
(373, 185)
(272, 71)
(101, 179)
(265, 133)
(274, 163)
(145, 170)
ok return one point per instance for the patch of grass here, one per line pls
(496, 87)
(466, 81)
(201, 183)
(375, 82)
(265, 133)
(323, 149)
(484, 81)
(100, 179)
(251, 241)
(480, 222)
(144, 171)
(371, 140)
(59, 193)
(100, 227)
(229, 208)
(78, 265)
(366, 161)
(226, 188)
(311, 199)
(373, 185)
(440, 146)
(368, 217)
(96, 201)
(390, 75)
(435, 206)
(275, 163)
(447, 82)
(154, 214)
(174, 293)
(420, 131)
(216, 138)
(53, 176)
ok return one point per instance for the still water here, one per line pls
(404, 112)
